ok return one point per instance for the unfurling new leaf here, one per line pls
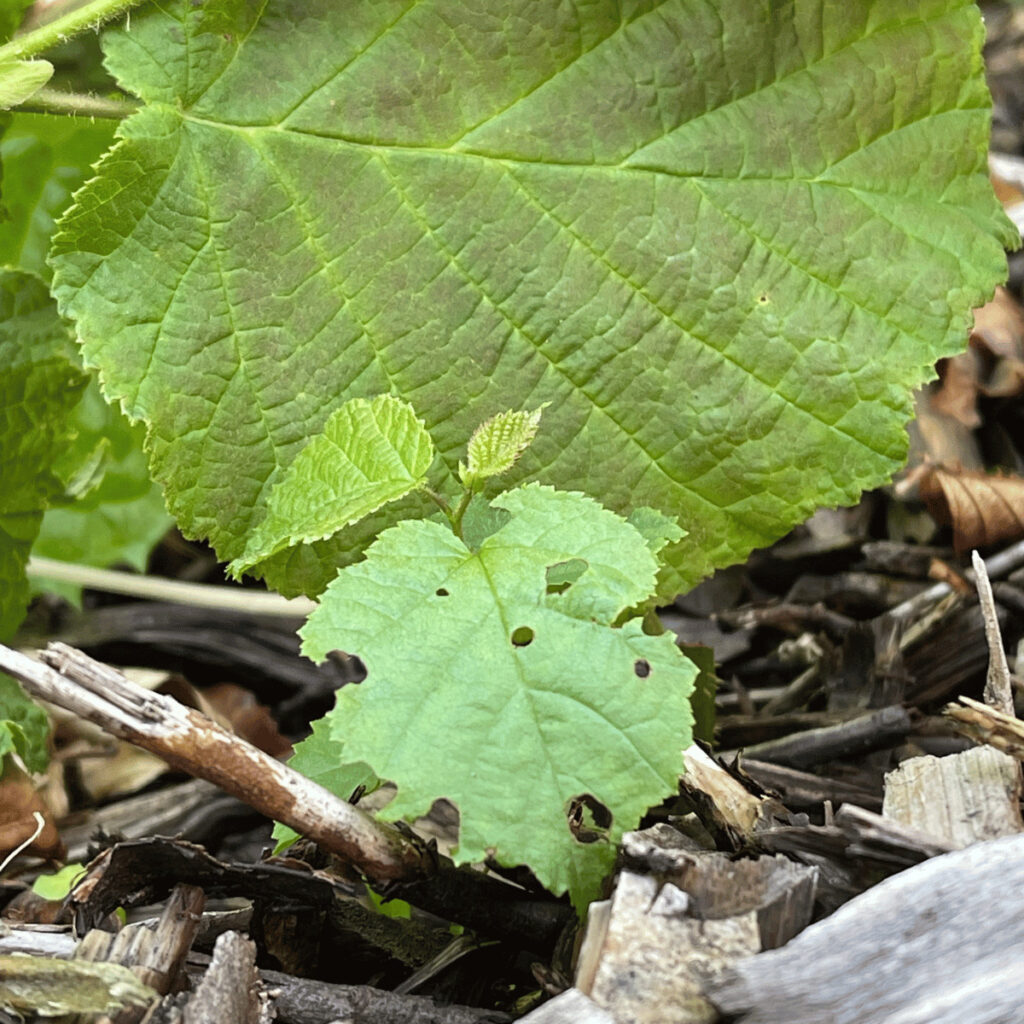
(496, 445)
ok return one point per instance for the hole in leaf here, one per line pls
(762, 298)
(562, 575)
(441, 592)
(589, 819)
(522, 636)
(642, 667)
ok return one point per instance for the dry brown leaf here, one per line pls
(998, 343)
(982, 509)
(957, 395)
(19, 799)
(993, 365)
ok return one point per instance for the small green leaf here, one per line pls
(24, 727)
(655, 527)
(20, 79)
(60, 883)
(320, 757)
(510, 701)
(369, 453)
(496, 445)
(706, 686)
(480, 520)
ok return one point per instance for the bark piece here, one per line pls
(156, 956)
(998, 689)
(230, 989)
(803, 791)
(195, 810)
(51, 988)
(961, 799)
(646, 960)
(733, 806)
(300, 1001)
(938, 944)
(571, 1007)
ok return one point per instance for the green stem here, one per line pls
(460, 512)
(155, 588)
(439, 501)
(56, 101)
(39, 40)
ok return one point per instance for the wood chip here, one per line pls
(939, 943)
(961, 799)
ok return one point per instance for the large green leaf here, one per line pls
(40, 384)
(723, 240)
(512, 701)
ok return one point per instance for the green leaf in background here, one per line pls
(724, 241)
(24, 727)
(119, 520)
(704, 689)
(510, 701)
(45, 159)
(369, 453)
(497, 444)
(40, 385)
(12, 13)
(319, 757)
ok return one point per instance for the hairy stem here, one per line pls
(45, 37)
(56, 101)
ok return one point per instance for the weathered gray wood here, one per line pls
(651, 961)
(941, 943)
(778, 891)
(998, 690)
(571, 1007)
(231, 988)
(962, 799)
(303, 1001)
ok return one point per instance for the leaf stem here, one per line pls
(438, 500)
(155, 588)
(56, 101)
(457, 515)
(45, 37)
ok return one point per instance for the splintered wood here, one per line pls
(650, 950)
(938, 944)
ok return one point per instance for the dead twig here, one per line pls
(192, 743)
(998, 689)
